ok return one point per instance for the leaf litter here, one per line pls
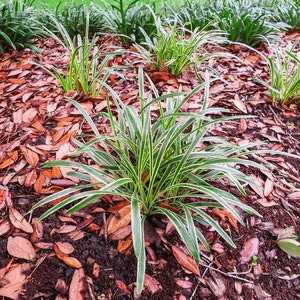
(37, 125)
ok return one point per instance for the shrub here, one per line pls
(18, 24)
(165, 166)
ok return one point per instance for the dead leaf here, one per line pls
(4, 227)
(269, 185)
(240, 105)
(121, 233)
(242, 126)
(78, 285)
(12, 158)
(29, 115)
(218, 248)
(184, 284)
(18, 116)
(30, 156)
(66, 248)
(226, 215)
(265, 203)
(151, 284)
(63, 151)
(42, 245)
(286, 233)
(72, 262)
(216, 283)
(12, 283)
(185, 260)
(119, 220)
(38, 185)
(20, 247)
(294, 196)
(66, 229)
(124, 245)
(38, 231)
(277, 129)
(257, 186)
(76, 235)
(30, 178)
(249, 250)
(5, 198)
(63, 182)
(85, 223)
(122, 286)
(261, 294)
(19, 221)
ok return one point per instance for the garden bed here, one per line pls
(89, 254)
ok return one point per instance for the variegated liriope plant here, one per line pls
(150, 162)
(88, 66)
(284, 71)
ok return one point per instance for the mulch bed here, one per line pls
(37, 125)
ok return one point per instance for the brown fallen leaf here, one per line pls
(294, 196)
(119, 220)
(269, 185)
(184, 284)
(66, 229)
(18, 116)
(20, 247)
(216, 283)
(124, 245)
(38, 185)
(29, 115)
(265, 203)
(122, 286)
(71, 262)
(121, 233)
(226, 215)
(219, 248)
(76, 235)
(19, 221)
(4, 227)
(240, 105)
(60, 255)
(114, 209)
(5, 198)
(249, 250)
(38, 231)
(185, 260)
(66, 248)
(261, 294)
(42, 245)
(12, 283)
(30, 156)
(11, 159)
(85, 223)
(257, 187)
(78, 285)
(151, 284)
(30, 178)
